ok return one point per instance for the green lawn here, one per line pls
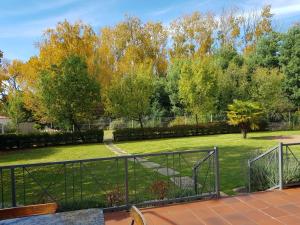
(50, 154)
(234, 151)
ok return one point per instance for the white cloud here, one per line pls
(286, 9)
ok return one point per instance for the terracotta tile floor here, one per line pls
(263, 208)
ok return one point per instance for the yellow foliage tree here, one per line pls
(192, 35)
(130, 43)
(64, 40)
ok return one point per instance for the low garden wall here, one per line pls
(21, 141)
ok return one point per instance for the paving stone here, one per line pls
(139, 159)
(167, 171)
(184, 182)
(150, 165)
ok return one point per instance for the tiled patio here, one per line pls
(264, 208)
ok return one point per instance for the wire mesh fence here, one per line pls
(279, 167)
(113, 183)
(291, 164)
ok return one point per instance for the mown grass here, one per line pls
(233, 151)
(99, 179)
(99, 183)
(51, 154)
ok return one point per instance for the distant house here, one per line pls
(4, 120)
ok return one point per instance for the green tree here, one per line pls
(232, 84)
(160, 101)
(130, 96)
(245, 114)
(15, 108)
(226, 55)
(267, 89)
(172, 86)
(266, 53)
(197, 86)
(290, 61)
(69, 95)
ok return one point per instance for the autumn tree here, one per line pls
(68, 39)
(254, 26)
(69, 95)
(192, 35)
(129, 44)
(57, 44)
(229, 29)
(10, 73)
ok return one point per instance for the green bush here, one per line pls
(175, 131)
(21, 141)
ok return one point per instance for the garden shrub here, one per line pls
(21, 141)
(115, 197)
(160, 189)
(178, 121)
(175, 131)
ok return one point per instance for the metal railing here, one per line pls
(113, 182)
(279, 167)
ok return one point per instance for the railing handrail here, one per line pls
(263, 154)
(104, 158)
(288, 144)
(198, 163)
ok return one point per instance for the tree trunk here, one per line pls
(141, 122)
(244, 133)
(77, 128)
(197, 122)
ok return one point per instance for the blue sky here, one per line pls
(23, 22)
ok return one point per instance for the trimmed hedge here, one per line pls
(175, 131)
(130, 134)
(21, 141)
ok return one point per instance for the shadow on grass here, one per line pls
(8, 157)
(278, 137)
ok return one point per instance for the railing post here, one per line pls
(195, 181)
(13, 187)
(280, 166)
(217, 172)
(126, 183)
(249, 176)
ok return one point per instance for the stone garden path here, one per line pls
(184, 182)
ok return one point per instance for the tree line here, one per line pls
(199, 63)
